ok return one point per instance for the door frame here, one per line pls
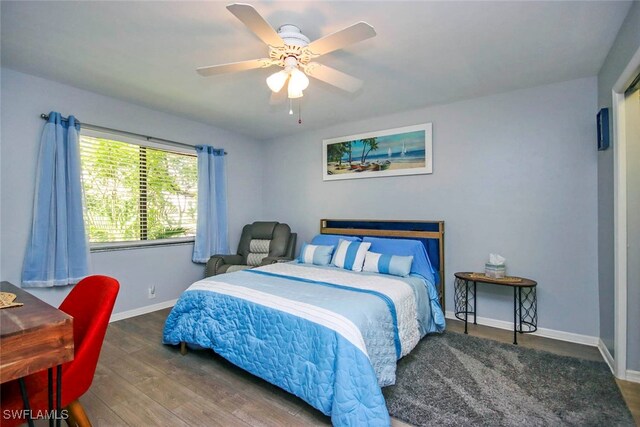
(620, 214)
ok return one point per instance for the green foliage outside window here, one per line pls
(137, 193)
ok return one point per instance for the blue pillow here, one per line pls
(421, 264)
(350, 255)
(333, 239)
(315, 254)
(387, 264)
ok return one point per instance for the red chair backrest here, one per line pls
(90, 303)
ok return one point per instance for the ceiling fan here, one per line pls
(294, 52)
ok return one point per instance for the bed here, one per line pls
(331, 336)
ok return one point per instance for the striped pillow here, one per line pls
(350, 255)
(315, 254)
(388, 264)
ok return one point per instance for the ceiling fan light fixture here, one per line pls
(277, 80)
(299, 81)
(293, 94)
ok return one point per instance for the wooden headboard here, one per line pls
(429, 233)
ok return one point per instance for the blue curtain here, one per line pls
(212, 236)
(57, 252)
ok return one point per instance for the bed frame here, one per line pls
(429, 233)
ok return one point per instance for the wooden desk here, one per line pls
(525, 303)
(33, 337)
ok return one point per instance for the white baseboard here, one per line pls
(633, 376)
(604, 351)
(541, 332)
(142, 310)
(629, 375)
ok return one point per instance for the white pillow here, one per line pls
(350, 255)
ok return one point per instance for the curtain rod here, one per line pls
(126, 133)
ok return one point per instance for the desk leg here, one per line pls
(520, 308)
(466, 304)
(50, 389)
(475, 303)
(515, 307)
(58, 393)
(25, 401)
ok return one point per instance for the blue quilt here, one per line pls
(330, 336)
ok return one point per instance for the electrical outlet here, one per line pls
(152, 291)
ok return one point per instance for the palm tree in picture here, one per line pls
(368, 145)
(349, 149)
(335, 152)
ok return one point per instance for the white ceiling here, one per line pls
(425, 53)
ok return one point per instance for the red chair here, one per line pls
(90, 303)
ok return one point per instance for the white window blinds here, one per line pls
(134, 192)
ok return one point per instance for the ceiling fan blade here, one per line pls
(353, 34)
(232, 67)
(256, 23)
(334, 77)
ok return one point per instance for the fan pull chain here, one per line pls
(290, 107)
(299, 113)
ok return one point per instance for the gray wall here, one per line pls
(625, 46)
(170, 269)
(513, 173)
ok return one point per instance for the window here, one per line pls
(135, 191)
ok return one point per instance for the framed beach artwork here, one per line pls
(401, 151)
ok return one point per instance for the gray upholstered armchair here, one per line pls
(261, 243)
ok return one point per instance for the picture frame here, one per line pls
(393, 152)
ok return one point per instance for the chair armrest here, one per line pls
(229, 259)
(273, 259)
(217, 261)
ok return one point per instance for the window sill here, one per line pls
(123, 246)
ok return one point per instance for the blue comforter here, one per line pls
(330, 336)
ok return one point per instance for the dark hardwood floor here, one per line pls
(140, 382)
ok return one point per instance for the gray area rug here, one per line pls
(458, 380)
